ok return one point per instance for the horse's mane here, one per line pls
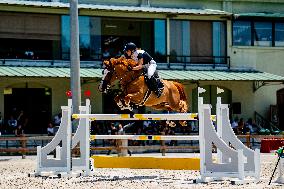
(121, 60)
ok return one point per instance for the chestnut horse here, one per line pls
(134, 89)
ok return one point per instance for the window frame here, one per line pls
(252, 23)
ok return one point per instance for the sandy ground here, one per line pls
(14, 171)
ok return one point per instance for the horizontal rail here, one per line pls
(17, 149)
(145, 137)
(144, 147)
(177, 116)
(5, 138)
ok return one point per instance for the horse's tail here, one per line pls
(180, 88)
(183, 99)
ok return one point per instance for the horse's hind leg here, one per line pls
(183, 108)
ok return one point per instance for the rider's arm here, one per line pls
(140, 62)
(139, 66)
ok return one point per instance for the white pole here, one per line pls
(75, 56)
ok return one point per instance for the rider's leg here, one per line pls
(151, 69)
(156, 85)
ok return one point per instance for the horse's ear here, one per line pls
(106, 63)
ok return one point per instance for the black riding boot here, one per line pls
(156, 85)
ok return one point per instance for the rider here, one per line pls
(145, 60)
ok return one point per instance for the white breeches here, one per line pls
(152, 68)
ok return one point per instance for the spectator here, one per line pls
(29, 54)
(20, 118)
(19, 131)
(106, 54)
(50, 130)
(23, 120)
(235, 125)
(57, 119)
(12, 123)
(121, 132)
(241, 126)
(146, 124)
(113, 131)
(251, 126)
(173, 142)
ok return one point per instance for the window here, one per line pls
(258, 33)
(96, 41)
(160, 40)
(242, 33)
(262, 34)
(180, 41)
(279, 34)
(197, 42)
(89, 30)
(219, 42)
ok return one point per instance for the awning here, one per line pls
(145, 9)
(190, 75)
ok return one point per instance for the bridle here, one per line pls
(114, 73)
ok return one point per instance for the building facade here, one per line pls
(236, 45)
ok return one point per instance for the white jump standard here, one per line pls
(230, 163)
(63, 164)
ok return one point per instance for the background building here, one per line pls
(237, 45)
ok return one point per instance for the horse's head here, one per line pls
(115, 69)
(107, 73)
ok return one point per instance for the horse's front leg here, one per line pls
(123, 102)
(118, 101)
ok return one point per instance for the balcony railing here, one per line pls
(172, 61)
(164, 62)
(265, 124)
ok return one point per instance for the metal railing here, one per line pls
(184, 61)
(266, 124)
(164, 62)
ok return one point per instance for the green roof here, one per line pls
(260, 14)
(109, 7)
(191, 75)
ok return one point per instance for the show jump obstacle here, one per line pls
(234, 161)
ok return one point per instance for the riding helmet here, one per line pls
(130, 46)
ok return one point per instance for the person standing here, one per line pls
(113, 131)
(121, 132)
(19, 132)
